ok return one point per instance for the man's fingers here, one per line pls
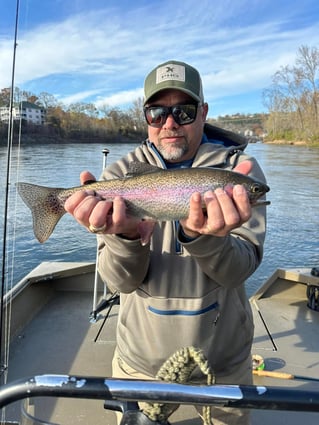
(86, 177)
(244, 167)
(145, 229)
(196, 210)
(242, 202)
(73, 201)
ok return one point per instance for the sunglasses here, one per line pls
(156, 116)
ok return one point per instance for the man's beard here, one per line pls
(173, 153)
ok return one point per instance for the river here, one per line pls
(293, 216)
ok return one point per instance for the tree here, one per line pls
(293, 97)
(137, 115)
(5, 96)
(80, 120)
(47, 100)
(308, 62)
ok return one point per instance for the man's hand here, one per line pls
(93, 212)
(226, 209)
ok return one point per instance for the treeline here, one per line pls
(81, 122)
(247, 124)
(292, 102)
(293, 99)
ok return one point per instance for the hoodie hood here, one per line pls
(224, 137)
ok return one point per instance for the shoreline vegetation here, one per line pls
(292, 102)
(296, 143)
(29, 140)
(290, 142)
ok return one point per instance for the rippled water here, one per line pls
(293, 216)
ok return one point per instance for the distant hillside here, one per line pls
(251, 125)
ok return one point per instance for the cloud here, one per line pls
(120, 98)
(102, 55)
(77, 97)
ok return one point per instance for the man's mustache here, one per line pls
(170, 134)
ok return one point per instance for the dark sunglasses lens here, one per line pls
(184, 114)
(155, 116)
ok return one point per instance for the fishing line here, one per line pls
(8, 169)
(8, 295)
(7, 316)
(9, 269)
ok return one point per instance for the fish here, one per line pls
(150, 193)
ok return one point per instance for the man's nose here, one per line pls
(170, 122)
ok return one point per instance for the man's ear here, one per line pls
(204, 111)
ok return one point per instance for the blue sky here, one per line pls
(100, 50)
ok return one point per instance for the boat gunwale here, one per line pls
(296, 275)
(37, 276)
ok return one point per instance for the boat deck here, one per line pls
(59, 339)
(287, 337)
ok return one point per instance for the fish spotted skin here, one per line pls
(149, 193)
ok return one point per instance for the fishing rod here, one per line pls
(259, 370)
(6, 200)
(283, 375)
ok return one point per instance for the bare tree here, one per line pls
(293, 97)
(47, 100)
(308, 67)
(137, 115)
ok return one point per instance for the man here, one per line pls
(184, 287)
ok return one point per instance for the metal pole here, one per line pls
(101, 388)
(93, 315)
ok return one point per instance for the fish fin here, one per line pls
(45, 206)
(137, 168)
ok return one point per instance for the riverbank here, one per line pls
(49, 140)
(121, 139)
(286, 142)
(292, 143)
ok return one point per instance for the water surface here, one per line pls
(293, 217)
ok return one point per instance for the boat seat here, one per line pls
(313, 291)
(313, 297)
(131, 413)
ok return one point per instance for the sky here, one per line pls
(100, 51)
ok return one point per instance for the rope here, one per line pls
(178, 368)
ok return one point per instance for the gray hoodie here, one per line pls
(177, 293)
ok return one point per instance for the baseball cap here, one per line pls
(174, 75)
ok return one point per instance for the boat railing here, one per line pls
(241, 396)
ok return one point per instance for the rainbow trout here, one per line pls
(149, 193)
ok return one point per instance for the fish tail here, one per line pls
(45, 206)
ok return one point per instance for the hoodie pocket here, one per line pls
(183, 322)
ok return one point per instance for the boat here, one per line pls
(61, 344)
(59, 339)
(286, 317)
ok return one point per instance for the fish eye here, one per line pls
(255, 188)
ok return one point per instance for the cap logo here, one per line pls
(170, 72)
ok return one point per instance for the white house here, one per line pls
(26, 110)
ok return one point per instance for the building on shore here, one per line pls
(30, 112)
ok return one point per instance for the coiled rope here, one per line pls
(178, 368)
